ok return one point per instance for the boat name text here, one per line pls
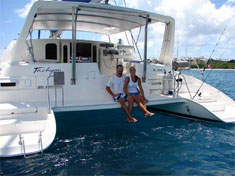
(43, 70)
(158, 70)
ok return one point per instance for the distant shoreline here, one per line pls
(213, 69)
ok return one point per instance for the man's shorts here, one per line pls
(121, 95)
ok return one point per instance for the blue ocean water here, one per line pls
(224, 80)
(102, 143)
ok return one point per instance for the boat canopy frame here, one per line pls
(97, 18)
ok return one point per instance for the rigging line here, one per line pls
(136, 46)
(133, 39)
(125, 31)
(202, 83)
(124, 2)
(138, 35)
(208, 63)
(127, 38)
(230, 44)
(201, 73)
(215, 47)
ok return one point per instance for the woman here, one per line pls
(130, 88)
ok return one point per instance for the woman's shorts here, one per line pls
(135, 94)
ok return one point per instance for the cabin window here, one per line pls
(8, 84)
(51, 51)
(65, 54)
(94, 54)
(83, 52)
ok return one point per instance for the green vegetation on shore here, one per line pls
(216, 64)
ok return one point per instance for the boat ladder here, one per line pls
(22, 143)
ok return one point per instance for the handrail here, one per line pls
(187, 87)
(48, 92)
(181, 83)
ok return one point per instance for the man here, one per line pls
(115, 89)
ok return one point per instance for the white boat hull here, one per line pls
(25, 134)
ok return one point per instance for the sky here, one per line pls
(198, 31)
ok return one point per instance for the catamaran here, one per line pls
(40, 76)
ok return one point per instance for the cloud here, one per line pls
(199, 23)
(231, 1)
(23, 12)
(1, 51)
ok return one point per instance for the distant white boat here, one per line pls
(40, 76)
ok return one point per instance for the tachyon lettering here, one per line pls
(45, 70)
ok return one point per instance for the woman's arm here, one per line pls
(141, 89)
(125, 86)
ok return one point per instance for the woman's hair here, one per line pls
(131, 68)
(136, 77)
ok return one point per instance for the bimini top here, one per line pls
(89, 17)
(99, 18)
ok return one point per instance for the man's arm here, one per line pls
(109, 91)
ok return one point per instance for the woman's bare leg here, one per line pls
(130, 101)
(139, 101)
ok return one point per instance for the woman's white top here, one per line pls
(132, 86)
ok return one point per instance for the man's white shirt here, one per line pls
(116, 84)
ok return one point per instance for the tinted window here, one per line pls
(51, 51)
(83, 50)
(94, 54)
(65, 54)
